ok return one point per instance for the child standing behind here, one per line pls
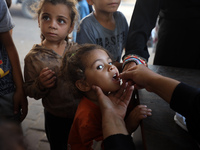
(105, 26)
(56, 19)
(13, 102)
(87, 66)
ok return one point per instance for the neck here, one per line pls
(92, 96)
(105, 19)
(104, 16)
(52, 45)
(58, 47)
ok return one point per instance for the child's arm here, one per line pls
(136, 115)
(20, 100)
(37, 82)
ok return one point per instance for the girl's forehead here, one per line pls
(97, 53)
(94, 55)
(55, 8)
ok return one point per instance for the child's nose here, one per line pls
(52, 24)
(111, 67)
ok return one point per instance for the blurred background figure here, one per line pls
(11, 136)
(84, 9)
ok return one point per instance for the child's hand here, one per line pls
(136, 115)
(20, 103)
(47, 78)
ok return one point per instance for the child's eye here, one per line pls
(99, 67)
(110, 63)
(45, 18)
(61, 21)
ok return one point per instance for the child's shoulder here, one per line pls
(5, 18)
(33, 51)
(72, 46)
(118, 14)
(120, 18)
(88, 18)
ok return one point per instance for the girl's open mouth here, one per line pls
(116, 77)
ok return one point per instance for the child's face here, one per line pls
(55, 22)
(106, 5)
(100, 71)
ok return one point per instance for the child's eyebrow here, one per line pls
(60, 16)
(45, 13)
(99, 60)
(109, 58)
(95, 61)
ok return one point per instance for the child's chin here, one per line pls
(116, 88)
(112, 89)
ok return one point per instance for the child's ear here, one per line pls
(82, 85)
(90, 2)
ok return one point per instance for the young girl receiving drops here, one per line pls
(87, 66)
(56, 19)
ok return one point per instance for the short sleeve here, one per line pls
(86, 32)
(6, 22)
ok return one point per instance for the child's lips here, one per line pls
(116, 77)
(51, 34)
(113, 4)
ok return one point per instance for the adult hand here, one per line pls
(140, 75)
(151, 81)
(115, 102)
(113, 108)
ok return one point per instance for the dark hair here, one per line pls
(73, 67)
(71, 4)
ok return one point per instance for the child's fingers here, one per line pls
(143, 110)
(47, 77)
(141, 106)
(24, 112)
(146, 112)
(50, 83)
(139, 117)
(47, 74)
(44, 70)
(16, 108)
(144, 107)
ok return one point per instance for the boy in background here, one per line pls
(105, 26)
